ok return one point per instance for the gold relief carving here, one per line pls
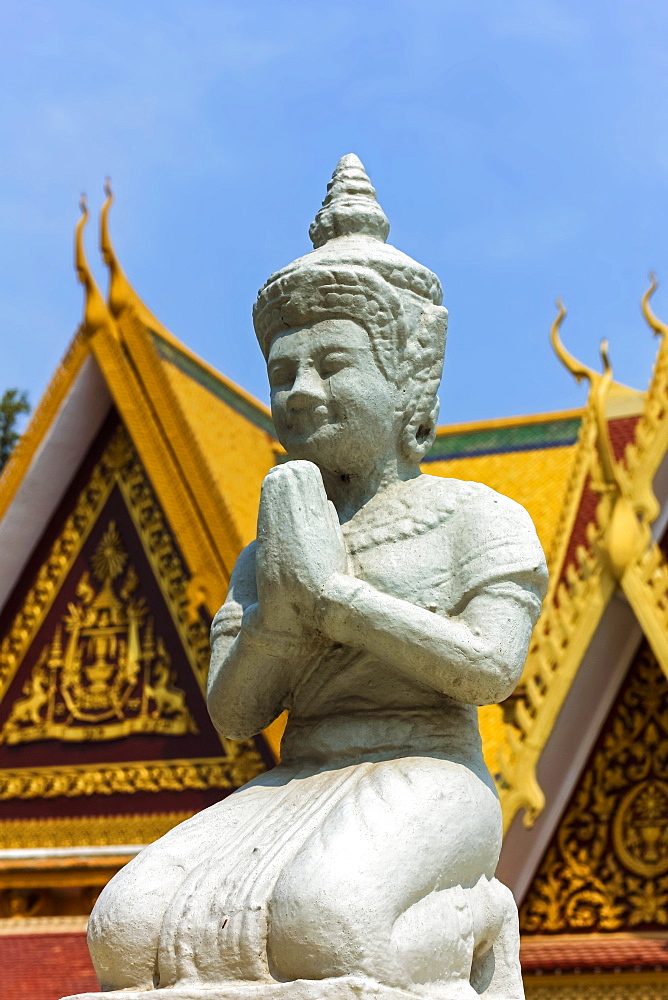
(560, 640)
(601, 986)
(163, 556)
(607, 869)
(113, 677)
(640, 829)
(119, 466)
(126, 778)
(87, 831)
(53, 571)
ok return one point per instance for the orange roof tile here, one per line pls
(234, 432)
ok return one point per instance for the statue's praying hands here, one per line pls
(379, 606)
(300, 546)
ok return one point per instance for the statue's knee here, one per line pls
(312, 928)
(124, 927)
(117, 940)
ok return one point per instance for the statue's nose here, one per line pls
(307, 390)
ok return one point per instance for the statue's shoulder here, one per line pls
(465, 500)
(491, 536)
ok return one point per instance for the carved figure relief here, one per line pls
(104, 674)
(607, 868)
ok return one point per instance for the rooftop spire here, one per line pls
(95, 311)
(350, 207)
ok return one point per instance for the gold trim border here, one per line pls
(87, 831)
(598, 986)
(125, 778)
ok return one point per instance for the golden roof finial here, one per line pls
(600, 389)
(575, 367)
(598, 397)
(655, 324)
(121, 295)
(95, 311)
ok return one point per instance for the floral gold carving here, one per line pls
(112, 677)
(607, 868)
(64, 550)
(640, 829)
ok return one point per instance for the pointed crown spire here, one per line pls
(347, 273)
(350, 207)
(352, 273)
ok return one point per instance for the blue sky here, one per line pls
(519, 149)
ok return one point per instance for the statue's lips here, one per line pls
(306, 422)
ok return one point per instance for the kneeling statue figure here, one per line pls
(379, 606)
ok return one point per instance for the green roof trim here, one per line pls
(555, 433)
(208, 381)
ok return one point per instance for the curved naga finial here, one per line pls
(121, 295)
(95, 311)
(624, 512)
(655, 324)
(575, 367)
(600, 386)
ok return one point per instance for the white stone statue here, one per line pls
(379, 606)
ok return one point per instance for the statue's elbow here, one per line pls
(220, 702)
(229, 723)
(498, 678)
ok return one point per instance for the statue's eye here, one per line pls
(280, 375)
(332, 363)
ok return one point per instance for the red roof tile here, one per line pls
(45, 966)
(50, 966)
(592, 952)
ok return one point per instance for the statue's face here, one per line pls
(330, 402)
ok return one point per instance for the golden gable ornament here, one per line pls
(112, 677)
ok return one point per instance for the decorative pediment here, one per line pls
(606, 868)
(105, 673)
(610, 548)
(103, 663)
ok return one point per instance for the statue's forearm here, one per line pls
(475, 658)
(250, 678)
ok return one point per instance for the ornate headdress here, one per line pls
(353, 274)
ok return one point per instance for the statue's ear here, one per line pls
(424, 366)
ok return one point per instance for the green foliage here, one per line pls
(12, 404)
